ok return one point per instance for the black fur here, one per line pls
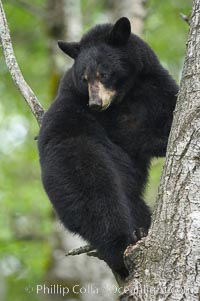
(95, 164)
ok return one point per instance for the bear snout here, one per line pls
(100, 97)
(95, 102)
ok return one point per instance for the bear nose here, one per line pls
(95, 106)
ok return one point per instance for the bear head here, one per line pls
(103, 69)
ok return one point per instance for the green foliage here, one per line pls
(167, 33)
(25, 216)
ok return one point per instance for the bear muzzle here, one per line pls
(100, 97)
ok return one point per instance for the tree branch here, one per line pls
(89, 251)
(185, 18)
(14, 69)
(80, 250)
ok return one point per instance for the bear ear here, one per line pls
(72, 49)
(120, 32)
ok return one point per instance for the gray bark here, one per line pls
(166, 265)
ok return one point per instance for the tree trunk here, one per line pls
(166, 265)
(63, 21)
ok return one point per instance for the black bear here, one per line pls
(112, 114)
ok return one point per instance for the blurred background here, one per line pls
(32, 243)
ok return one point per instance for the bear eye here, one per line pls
(84, 78)
(104, 75)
